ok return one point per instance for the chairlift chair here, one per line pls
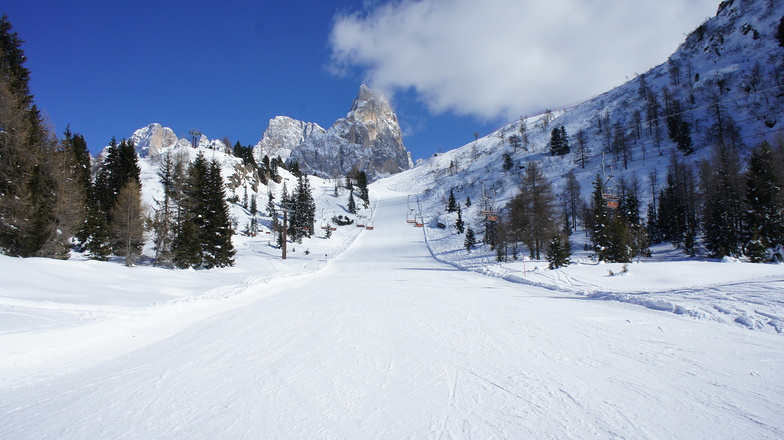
(411, 215)
(419, 222)
(324, 224)
(610, 201)
(369, 225)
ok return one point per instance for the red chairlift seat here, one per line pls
(611, 201)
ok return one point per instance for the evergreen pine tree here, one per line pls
(723, 215)
(451, 205)
(12, 58)
(76, 147)
(555, 142)
(271, 211)
(468, 202)
(302, 214)
(564, 141)
(652, 225)
(352, 205)
(362, 188)
(756, 250)
(204, 235)
(678, 204)
(765, 198)
(119, 166)
(610, 233)
(678, 129)
(459, 225)
(470, 239)
(558, 252)
(216, 235)
(619, 241)
(508, 163)
(164, 220)
(559, 142)
(599, 219)
(95, 240)
(186, 247)
(285, 199)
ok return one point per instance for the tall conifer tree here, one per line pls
(765, 197)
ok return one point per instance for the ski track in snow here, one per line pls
(386, 342)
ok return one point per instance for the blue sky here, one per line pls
(226, 68)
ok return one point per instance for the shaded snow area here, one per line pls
(369, 336)
(746, 294)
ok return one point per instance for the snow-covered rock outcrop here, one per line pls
(368, 138)
(155, 139)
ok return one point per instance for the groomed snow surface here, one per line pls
(371, 337)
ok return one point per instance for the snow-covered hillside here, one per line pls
(733, 60)
(367, 336)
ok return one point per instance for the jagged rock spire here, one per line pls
(368, 138)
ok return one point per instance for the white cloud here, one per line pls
(504, 58)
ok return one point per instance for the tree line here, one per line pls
(715, 207)
(42, 180)
(50, 202)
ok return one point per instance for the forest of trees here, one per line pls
(714, 207)
(51, 203)
(42, 180)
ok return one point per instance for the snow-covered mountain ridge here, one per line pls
(731, 64)
(368, 139)
(154, 139)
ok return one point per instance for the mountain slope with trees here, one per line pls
(664, 158)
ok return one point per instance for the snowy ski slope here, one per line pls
(385, 342)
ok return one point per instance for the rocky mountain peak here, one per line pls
(368, 139)
(153, 139)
